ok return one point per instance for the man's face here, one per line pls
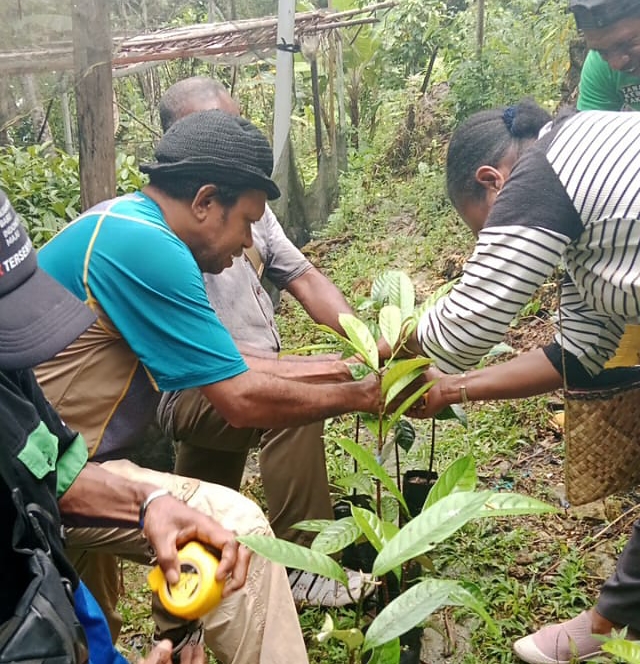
(225, 232)
(618, 44)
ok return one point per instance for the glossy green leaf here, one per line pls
(387, 653)
(370, 525)
(361, 339)
(312, 525)
(514, 504)
(460, 596)
(294, 555)
(404, 435)
(429, 528)
(359, 370)
(406, 404)
(389, 510)
(358, 482)
(353, 637)
(454, 412)
(401, 292)
(337, 536)
(459, 476)
(390, 321)
(411, 608)
(367, 461)
(627, 650)
(398, 371)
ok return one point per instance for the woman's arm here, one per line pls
(524, 376)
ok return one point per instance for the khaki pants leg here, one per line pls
(209, 448)
(292, 462)
(294, 476)
(257, 624)
(101, 574)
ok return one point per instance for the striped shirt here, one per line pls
(574, 197)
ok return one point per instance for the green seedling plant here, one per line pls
(399, 540)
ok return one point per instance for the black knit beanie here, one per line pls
(213, 144)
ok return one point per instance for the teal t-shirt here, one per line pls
(148, 283)
(605, 89)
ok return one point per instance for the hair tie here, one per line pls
(508, 116)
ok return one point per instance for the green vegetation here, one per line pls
(393, 215)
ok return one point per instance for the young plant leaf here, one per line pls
(627, 650)
(358, 482)
(411, 608)
(389, 511)
(459, 476)
(454, 412)
(359, 370)
(370, 525)
(514, 504)
(404, 435)
(460, 596)
(429, 528)
(398, 371)
(337, 536)
(407, 403)
(353, 637)
(401, 293)
(313, 525)
(390, 321)
(387, 653)
(367, 461)
(294, 555)
(361, 339)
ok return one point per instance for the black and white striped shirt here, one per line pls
(573, 197)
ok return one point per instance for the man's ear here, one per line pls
(203, 200)
(490, 178)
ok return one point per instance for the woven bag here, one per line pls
(602, 437)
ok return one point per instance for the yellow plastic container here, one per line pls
(628, 353)
(198, 591)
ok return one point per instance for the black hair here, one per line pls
(185, 187)
(485, 139)
(182, 95)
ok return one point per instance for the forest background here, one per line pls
(408, 80)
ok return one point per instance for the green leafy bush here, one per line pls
(44, 187)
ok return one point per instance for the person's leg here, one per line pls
(257, 624)
(618, 606)
(619, 601)
(208, 447)
(100, 573)
(294, 476)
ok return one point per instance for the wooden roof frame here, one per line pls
(232, 42)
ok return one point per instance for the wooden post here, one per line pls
(94, 100)
(480, 29)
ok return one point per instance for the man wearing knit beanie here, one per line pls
(137, 261)
(291, 460)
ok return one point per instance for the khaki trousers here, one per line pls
(292, 462)
(257, 624)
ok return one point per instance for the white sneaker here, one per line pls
(310, 589)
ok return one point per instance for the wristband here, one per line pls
(158, 493)
(464, 399)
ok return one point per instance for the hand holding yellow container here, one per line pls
(197, 591)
